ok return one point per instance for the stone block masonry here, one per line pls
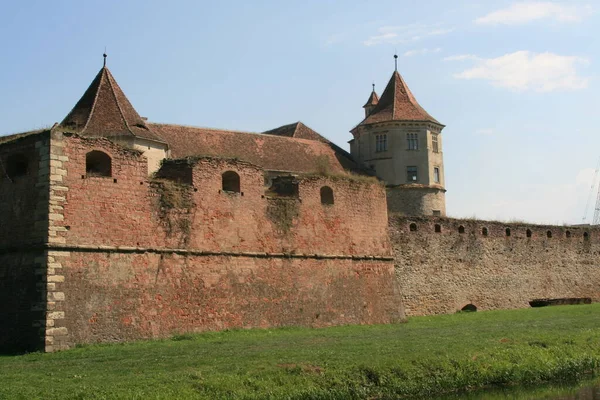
(444, 264)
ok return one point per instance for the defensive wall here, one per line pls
(24, 209)
(444, 264)
(118, 256)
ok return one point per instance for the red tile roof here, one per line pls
(271, 152)
(296, 130)
(373, 99)
(105, 111)
(397, 103)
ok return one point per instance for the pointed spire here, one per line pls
(397, 103)
(105, 111)
(373, 98)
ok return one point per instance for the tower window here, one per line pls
(380, 143)
(412, 141)
(98, 163)
(434, 143)
(411, 174)
(231, 182)
(436, 175)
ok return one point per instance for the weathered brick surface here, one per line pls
(22, 302)
(102, 212)
(442, 272)
(23, 230)
(24, 199)
(114, 297)
(131, 286)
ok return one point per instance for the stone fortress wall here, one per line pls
(444, 264)
(24, 209)
(89, 258)
(129, 257)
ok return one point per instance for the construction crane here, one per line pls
(596, 220)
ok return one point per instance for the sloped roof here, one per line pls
(105, 111)
(296, 130)
(271, 152)
(16, 136)
(373, 99)
(397, 103)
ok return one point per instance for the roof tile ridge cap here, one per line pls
(112, 89)
(396, 76)
(203, 127)
(89, 118)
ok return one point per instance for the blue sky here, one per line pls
(515, 82)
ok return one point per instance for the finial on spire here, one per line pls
(373, 86)
(396, 62)
(104, 55)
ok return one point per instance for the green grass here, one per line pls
(424, 357)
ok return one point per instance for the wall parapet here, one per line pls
(491, 229)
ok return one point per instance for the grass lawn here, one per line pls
(424, 357)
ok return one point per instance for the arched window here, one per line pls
(231, 182)
(461, 229)
(469, 308)
(17, 165)
(586, 236)
(484, 231)
(326, 195)
(549, 234)
(413, 227)
(528, 233)
(568, 234)
(507, 231)
(98, 163)
(438, 228)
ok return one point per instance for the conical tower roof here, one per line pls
(373, 99)
(397, 103)
(105, 111)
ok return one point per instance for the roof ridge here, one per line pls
(203, 127)
(89, 117)
(112, 89)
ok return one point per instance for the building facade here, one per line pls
(402, 144)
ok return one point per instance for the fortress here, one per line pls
(114, 228)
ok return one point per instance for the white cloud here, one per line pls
(523, 70)
(523, 12)
(424, 51)
(405, 34)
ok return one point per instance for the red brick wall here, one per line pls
(120, 294)
(113, 297)
(127, 213)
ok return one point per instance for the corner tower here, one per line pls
(402, 143)
(105, 111)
